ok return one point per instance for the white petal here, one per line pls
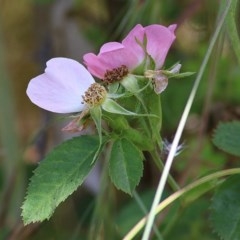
(61, 87)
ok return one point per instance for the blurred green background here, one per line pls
(33, 31)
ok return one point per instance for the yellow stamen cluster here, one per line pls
(116, 74)
(95, 95)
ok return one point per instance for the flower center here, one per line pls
(95, 95)
(116, 74)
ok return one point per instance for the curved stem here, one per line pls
(137, 228)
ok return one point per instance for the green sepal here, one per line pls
(152, 103)
(130, 83)
(150, 63)
(96, 114)
(113, 88)
(116, 95)
(176, 75)
(173, 72)
(127, 93)
(112, 107)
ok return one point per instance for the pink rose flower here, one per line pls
(67, 87)
(61, 87)
(153, 40)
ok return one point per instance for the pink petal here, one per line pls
(96, 64)
(61, 87)
(159, 40)
(112, 55)
(132, 40)
(172, 28)
(110, 46)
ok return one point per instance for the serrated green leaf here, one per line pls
(57, 176)
(125, 165)
(225, 209)
(227, 137)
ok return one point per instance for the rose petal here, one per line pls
(95, 63)
(96, 67)
(172, 28)
(132, 52)
(159, 40)
(132, 40)
(110, 58)
(61, 87)
(110, 46)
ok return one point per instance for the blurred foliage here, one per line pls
(26, 40)
(191, 223)
(227, 136)
(225, 209)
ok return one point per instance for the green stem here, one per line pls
(138, 227)
(160, 165)
(102, 218)
(145, 211)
